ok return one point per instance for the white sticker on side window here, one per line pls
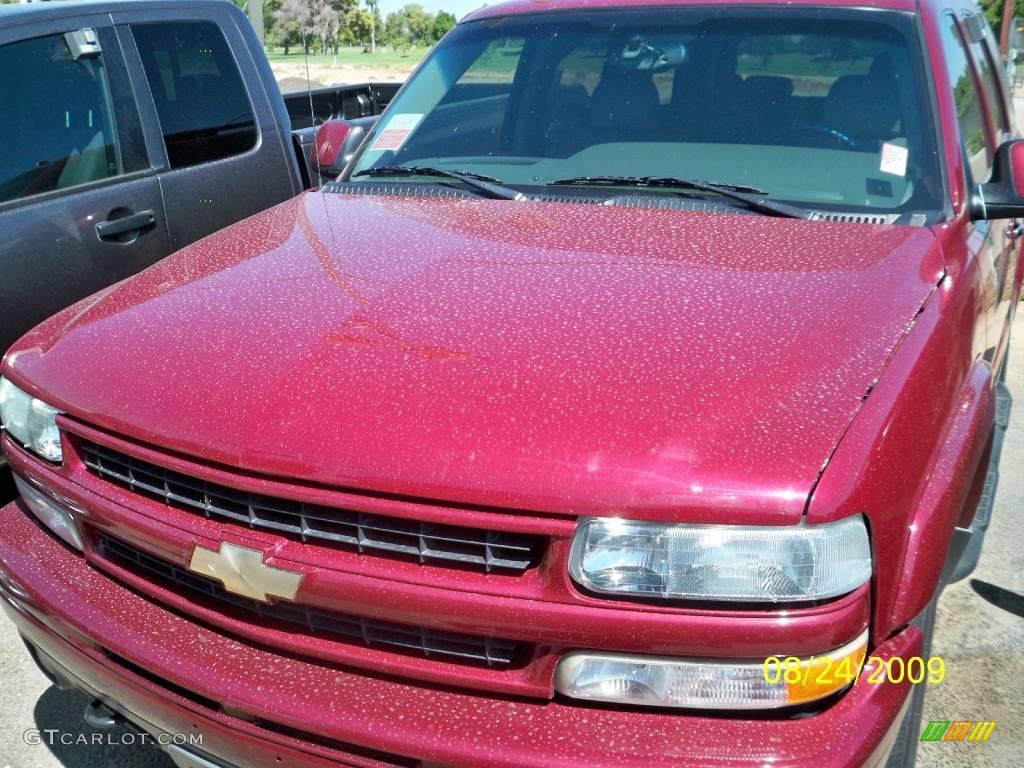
(894, 159)
(398, 129)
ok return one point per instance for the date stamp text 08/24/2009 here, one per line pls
(825, 671)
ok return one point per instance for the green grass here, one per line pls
(801, 64)
(352, 56)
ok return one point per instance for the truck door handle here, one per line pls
(132, 223)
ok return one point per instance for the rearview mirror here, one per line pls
(336, 142)
(1002, 197)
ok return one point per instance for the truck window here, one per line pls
(484, 87)
(988, 73)
(58, 129)
(973, 134)
(200, 98)
(738, 95)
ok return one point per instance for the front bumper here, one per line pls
(259, 708)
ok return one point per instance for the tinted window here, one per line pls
(202, 103)
(497, 63)
(968, 101)
(477, 102)
(993, 89)
(740, 95)
(303, 115)
(56, 128)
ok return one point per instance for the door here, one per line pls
(983, 124)
(228, 150)
(978, 148)
(80, 207)
(1008, 233)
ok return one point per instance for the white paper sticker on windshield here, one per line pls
(894, 159)
(398, 129)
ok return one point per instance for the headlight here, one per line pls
(761, 564)
(31, 422)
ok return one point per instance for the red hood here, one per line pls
(574, 359)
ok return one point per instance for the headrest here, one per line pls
(768, 88)
(862, 107)
(624, 96)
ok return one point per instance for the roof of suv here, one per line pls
(41, 10)
(515, 7)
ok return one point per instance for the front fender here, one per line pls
(950, 492)
(910, 456)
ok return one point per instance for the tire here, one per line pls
(904, 750)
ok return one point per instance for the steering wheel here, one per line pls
(834, 135)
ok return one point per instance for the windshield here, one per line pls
(817, 107)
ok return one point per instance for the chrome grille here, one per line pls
(426, 642)
(366, 533)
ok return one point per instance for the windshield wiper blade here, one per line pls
(751, 197)
(659, 181)
(485, 185)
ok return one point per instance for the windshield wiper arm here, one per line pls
(751, 197)
(485, 185)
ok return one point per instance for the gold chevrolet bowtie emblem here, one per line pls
(243, 572)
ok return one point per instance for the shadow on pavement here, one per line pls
(999, 597)
(78, 745)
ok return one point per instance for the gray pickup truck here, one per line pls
(131, 129)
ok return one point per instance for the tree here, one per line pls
(410, 25)
(292, 24)
(311, 22)
(374, 7)
(358, 27)
(442, 23)
(326, 24)
(270, 7)
(994, 14)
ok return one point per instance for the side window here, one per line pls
(968, 101)
(200, 98)
(325, 106)
(57, 129)
(993, 88)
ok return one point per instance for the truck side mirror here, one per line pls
(1002, 197)
(336, 141)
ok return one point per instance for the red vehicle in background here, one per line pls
(627, 401)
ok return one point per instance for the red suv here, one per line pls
(627, 401)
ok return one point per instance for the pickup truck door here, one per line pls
(979, 94)
(1007, 235)
(213, 111)
(80, 206)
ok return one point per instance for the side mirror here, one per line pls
(1003, 196)
(336, 142)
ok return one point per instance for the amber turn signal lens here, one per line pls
(821, 676)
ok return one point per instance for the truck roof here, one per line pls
(40, 10)
(517, 7)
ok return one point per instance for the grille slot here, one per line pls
(426, 642)
(364, 532)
